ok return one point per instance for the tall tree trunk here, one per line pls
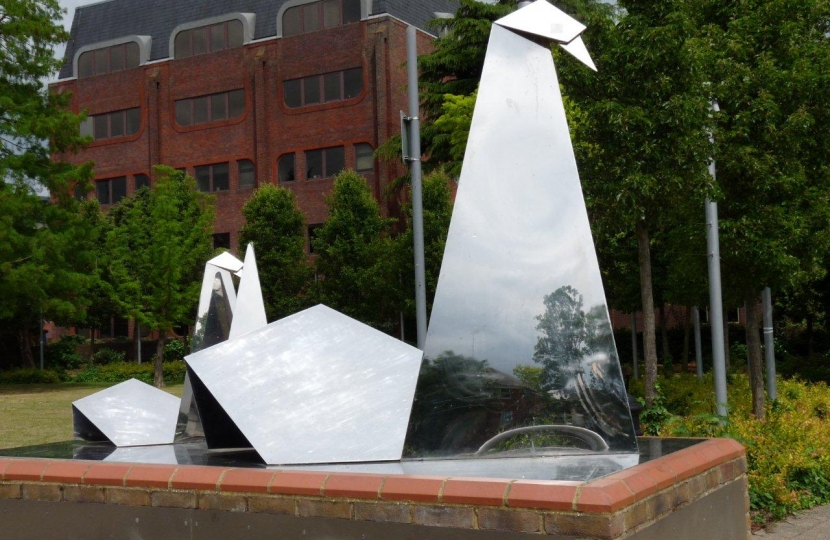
(686, 334)
(726, 339)
(647, 297)
(810, 349)
(664, 335)
(26, 348)
(158, 373)
(753, 346)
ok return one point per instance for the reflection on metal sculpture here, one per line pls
(315, 387)
(222, 315)
(509, 343)
(217, 301)
(128, 414)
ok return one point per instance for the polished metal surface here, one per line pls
(250, 308)
(128, 414)
(519, 333)
(544, 20)
(144, 454)
(315, 387)
(214, 315)
(226, 261)
(563, 468)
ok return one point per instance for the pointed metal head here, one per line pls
(226, 261)
(250, 308)
(541, 19)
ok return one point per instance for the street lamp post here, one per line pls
(715, 296)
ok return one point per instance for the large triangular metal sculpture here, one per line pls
(519, 341)
(314, 387)
(214, 317)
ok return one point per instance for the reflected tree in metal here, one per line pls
(131, 413)
(314, 387)
(520, 335)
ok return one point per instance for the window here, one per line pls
(212, 108)
(212, 177)
(325, 162)
(205, 39)
(120, 327)
(111, 190)
(111, 125)
(222, 240)
(312, 235)
(142, 180)
(285, 168)
(364, 157)
(247, 175)
(325, 88)
(321, 14)
(108, 59)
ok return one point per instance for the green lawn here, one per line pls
(42, 413)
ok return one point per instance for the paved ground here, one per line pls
(810, 525)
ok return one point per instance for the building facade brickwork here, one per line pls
(353, 87)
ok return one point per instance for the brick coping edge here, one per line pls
(724, 459)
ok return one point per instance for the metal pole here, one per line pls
(636, 372)
(715, 302)
(40, 337)
(769, 345)
(138, 331)
(417, 202)
(698, 345)
(715, 296)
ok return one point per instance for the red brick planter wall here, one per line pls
(615, 506)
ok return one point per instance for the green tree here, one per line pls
(770, 70)
(355, 257)
(100, 297)
(277, 229)
(452, 129)
(158, 245)
(437, 207)
(642, 142)
(44, 252)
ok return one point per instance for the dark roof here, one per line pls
(113, 19)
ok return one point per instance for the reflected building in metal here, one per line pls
(519, 341)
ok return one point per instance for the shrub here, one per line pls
(174, 351)
(788, 467)
(121, 371)
(63, 353)
(29, 376)
(108, 356)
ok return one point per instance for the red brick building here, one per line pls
(240, 93)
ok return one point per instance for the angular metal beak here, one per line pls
(578, 50)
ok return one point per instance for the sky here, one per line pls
(69, 6)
